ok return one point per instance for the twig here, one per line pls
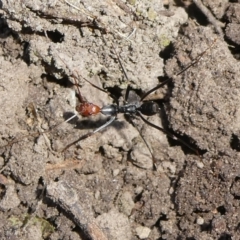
(63, 195)
(95, 18)
(217, 24)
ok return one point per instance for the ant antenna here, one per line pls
(124, 73)
(197, 59)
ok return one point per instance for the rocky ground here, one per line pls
(113, 185)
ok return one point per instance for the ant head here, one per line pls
(87, 109)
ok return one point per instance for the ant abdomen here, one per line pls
(149, 108)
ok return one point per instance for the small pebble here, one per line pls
(143, 232)
(200, 164)
(116, 172)
(200, 221)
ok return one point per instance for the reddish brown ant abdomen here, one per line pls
(86, 109)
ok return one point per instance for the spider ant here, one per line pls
(141, 109)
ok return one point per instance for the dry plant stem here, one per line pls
(217, 24)
(51, 14)
(63, 195)
(125, 8)
(66, 165)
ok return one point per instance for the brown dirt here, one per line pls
(105, 187)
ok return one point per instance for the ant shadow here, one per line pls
(91, 124)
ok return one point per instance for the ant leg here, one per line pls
(79, 95)
(101, 89)
(149, 149)
(120, 63)
(69, 119)
(105, 124)
(127, 94)
(85, 108)
(154, 89)
(167, 133)
(90, 133)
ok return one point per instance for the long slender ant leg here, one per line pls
(154, 89)
(112, 119)
(101, 89)
(149, 149)
(79, 95)
(127, 94)
(167, 133)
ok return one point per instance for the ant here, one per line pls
(141, 109)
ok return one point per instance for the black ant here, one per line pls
(141, 109)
